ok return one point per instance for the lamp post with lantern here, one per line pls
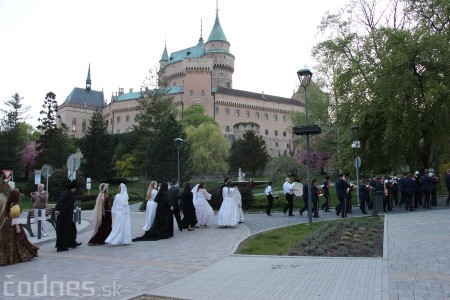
(178, 143)
(304, 75)
(356, 144)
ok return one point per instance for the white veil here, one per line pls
(123, 193)
(194, 192)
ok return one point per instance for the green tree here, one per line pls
(248, 153)
(13, 134)
(54, 145)
(209, 149)
(392, 80)
(97, 150)
(157, 128)
(126, 166)
(195, 116)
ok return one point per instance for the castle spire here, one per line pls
(88, 80)
(201, 31)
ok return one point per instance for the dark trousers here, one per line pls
(305, 206)
(269, 203)
(326, 204)
(403, 198)
(427, 200)
(177, 215)
(409, 202)
(315, 211)
(363, 205)
(342, 207)
(395, 198)
(290, 203)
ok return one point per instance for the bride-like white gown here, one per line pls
(229, 214)
(121, 229)
(203, 211)
(150, 211)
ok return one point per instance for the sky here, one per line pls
(47, 45)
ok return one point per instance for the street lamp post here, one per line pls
(178, 142)
(304, 75)
(356, 144)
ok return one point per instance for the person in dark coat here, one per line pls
(162, 227)
(341, 191)
(174, 197)
(189, 216)
(364, 195)
(410, 192)
(426, 188)
(315, 199)
(66, 231)
(447, 183)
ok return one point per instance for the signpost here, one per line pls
(73, 163)
(46, 171)
(37, 177)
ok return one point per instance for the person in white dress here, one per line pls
(121, 229)
(150, 210)
(238, 198)
(203, 211)
(229, 214)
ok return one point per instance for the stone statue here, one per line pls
(241, 175)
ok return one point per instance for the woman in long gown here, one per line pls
(238, 198)
(101, 217)
(229, 214)
(121, 229)
(14, 244)
(150, 210)
(162, 227)
(189, 217)
(204, 211)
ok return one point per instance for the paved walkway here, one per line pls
(200, 265)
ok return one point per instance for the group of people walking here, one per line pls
(411, 191)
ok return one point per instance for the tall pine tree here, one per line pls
(158, 127)
(54, 144)
(97, 150)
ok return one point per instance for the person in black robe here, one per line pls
(66, 231)
(189, 217)
(162, 227)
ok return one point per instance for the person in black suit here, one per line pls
(174, 197)
(426, 188)
(341, 191)
(447, 183)
(410, 191)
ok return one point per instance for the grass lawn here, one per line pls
(356, 237)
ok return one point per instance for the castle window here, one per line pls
(83, 126)
(74, 124)
(127, 118)
(266, 131)
(284, 118)
(216, 110)
(275, 117)
(191, 93)
(118, 119)
(220, 74)
(107, 123)
(237, 113)
(276, 132)
(228, 84)
(227, 128)
(227, 111)
(202, 93)
(266, 116)
(284, 133)
(257, 115)
(247, 113)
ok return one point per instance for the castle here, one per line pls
(197, 75)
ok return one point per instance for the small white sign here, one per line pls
(37, 176)
(88, 183)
